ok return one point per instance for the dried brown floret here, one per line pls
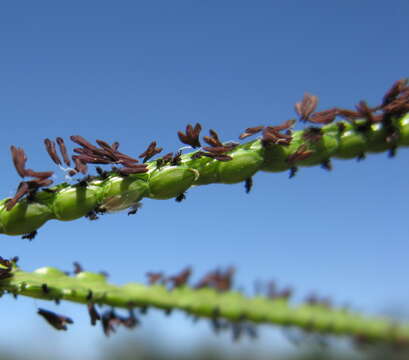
(84, 143)
(213, 139)
(151, 151)
(57, 321)
(274, 293)
(217, 279)
(199, 154)
(39, 174)
(250, 131)
(365, 111)
(398, 106)
(324, 117)
(216, 149)
(80, 166)
(93, 159)
(136, 169)
(286, 125)
(28, 188)
(348, 114)
(272, 136)
(312, 134)
(21, 191)
(397, 88)
(301, 153)
(63, 151)
(19, 160)
(177, 158)
(108, 150)
(50, 147)
(181, 278)
(191, 137)
(37, 183)
(306, 106)
(154, 277)
(123, 157)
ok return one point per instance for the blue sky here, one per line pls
(139, 71)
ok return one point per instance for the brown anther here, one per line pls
(63, 150)
(84, 143)
(301, 154)
(306, 106)
(286, 125)
(218, 157)
(217, 279)
(19, 160)
(39, 174)
(312, 134)
(273, 136)
(136, 169)
(80, 166)
(176, 159)
(181, 278)
(151, 151)
(365, 111)
(213, 139)
(22, 190)
(217, 149)
(93, 159)
(398, 106)
(50, 147)
(154, 277)
(199, 154)
(127, 158)
(250, 131)
(191, 137)
(109, 152)
(37, 183)
(397, 88)
(324, 117)
(348, 114)
(58, 322)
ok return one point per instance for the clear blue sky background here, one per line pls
(139, 71)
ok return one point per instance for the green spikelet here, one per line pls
(69, 202)
(51, 284)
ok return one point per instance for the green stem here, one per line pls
(341, 140)
(51, 284)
